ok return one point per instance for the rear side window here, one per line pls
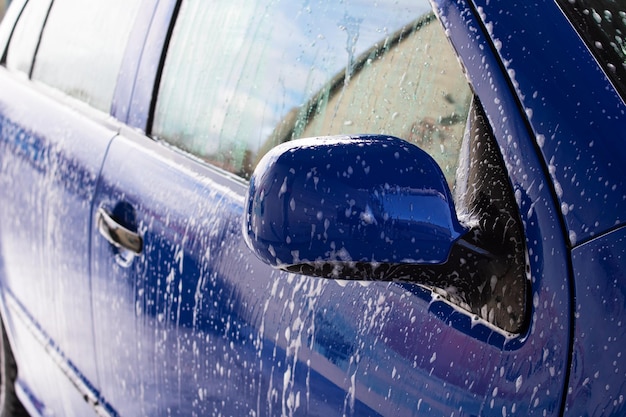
(602, 24)
(26, 36)
(239, 79)
(82, 47)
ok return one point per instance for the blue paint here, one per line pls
(197, 324)
(597, 383)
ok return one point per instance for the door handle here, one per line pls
(116, 234)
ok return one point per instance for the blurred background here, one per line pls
(3, 6)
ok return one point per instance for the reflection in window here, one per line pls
(276, 72)
(82, 48)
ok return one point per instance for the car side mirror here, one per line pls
(351, 207)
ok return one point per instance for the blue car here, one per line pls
(313, 208)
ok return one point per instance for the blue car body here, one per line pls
(193, 323)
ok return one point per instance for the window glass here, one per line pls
(82, 48)
(241, 78)
(26, 36)
(494, 287)
(602, 23)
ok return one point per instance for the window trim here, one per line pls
(145, 89)
(16, 23)
(8, 25)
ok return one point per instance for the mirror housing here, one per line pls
(350, 207)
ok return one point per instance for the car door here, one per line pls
(581, 141)
(57, 91)
(188, 321)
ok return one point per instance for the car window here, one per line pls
(25, 38)
(82, 47)
(602, 23)
(495, 288)
(279, 71)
